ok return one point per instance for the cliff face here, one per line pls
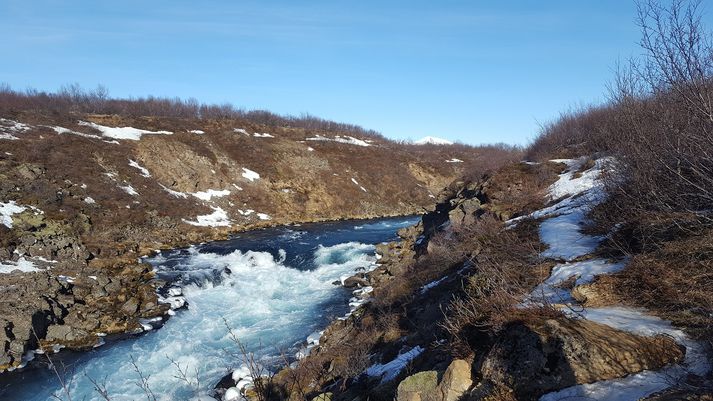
(82, 196)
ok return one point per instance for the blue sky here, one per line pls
(474, 71)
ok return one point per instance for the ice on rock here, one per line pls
(240, 373)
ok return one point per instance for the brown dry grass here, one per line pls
(675, 280)
(507, 268)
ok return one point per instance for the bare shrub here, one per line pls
(261, 377)
(507, 268)
(143, 382)
(577, 132)
(73, 98)
(666, 103)
(658, 123)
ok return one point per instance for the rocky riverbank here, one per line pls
(82, 197)
(458, 309)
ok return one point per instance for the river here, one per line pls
(272, 287)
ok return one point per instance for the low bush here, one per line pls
(658, 123)
(506, 269)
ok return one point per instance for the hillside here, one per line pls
(83, 195)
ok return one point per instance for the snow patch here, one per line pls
(8, 129)
(341, 139)
(22, 265)
(62, 131)
(219, 218)
(264, 216)
(7, 210)
(258, 135)
(584, 272)
(197, 131)
(568, 185)
(136, 165)
(389, 371)
(250, 175)
(432, 284)
(209, 194)
(130, 133)
(454, 160)
(357, 184)
(129, 190)
(240, 131)
(562, 233)
(432, 140)
(174, 193)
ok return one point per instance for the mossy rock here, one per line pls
(419, 382)
(28, 219)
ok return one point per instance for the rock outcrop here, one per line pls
(536, 358)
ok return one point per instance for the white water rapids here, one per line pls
(272, 298)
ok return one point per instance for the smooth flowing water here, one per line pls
(273, 287)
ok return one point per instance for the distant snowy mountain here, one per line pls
(433, 140)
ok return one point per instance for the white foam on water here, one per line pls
(269, 306)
